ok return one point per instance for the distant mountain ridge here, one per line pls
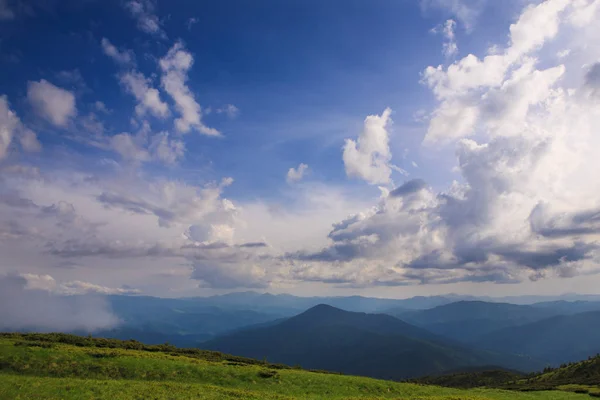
(556, 340)
(376, 345)
(465, 321)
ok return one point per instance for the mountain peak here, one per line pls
(323, 309)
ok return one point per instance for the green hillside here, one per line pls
(59, 366)
(580, 377)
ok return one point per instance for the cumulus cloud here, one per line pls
(175, 66)
(135, 83)
(166, 149)
(521, 123)
(29, 141)
(461, 86)
(11, 127)
(171, 202)
(27, 304)
(526, 207)
(162, 220)
(8, 124)
(296, 174)
(146, 147)
(369, 157)
(144, 12)
(124, 57)
(128, 147)
(147, 97)
(52, 103)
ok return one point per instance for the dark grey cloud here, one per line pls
(547, 256)
(96, 247)
(336, 252)
(136, 206)
(253, 245)
(222, 245)
(13, 199)
(408, 188)
(592, 79)
(12, 229)
(564, 224)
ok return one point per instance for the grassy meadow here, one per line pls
(69, 367)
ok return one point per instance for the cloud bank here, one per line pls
(523, 204)
(26, 306)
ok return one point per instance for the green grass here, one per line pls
(41, 369)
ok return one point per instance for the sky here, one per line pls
(387, 148)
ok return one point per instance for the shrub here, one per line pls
(267, 373)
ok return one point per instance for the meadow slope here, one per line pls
(70, 367)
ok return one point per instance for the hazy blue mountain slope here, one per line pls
(364, 344)
(467, 320)
(555, 340)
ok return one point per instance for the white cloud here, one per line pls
(145, 146)
(175, 66)
(11, 126)
(466, 11)
(369, 157)
(460, 85)
(521, 122)
(26, 304)
(296, 174)
(101, 107)
(29, 141)
(124, 57)
(8, 124)
(229, 109)
(448, 31)
(450, 48)
(54, 104)
(166, 149)
(527, 204)
(69, 288)
(137, 84)
(143, 12)
(129, 147)
(148, 97)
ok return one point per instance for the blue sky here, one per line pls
(284, 139)
(302, 74)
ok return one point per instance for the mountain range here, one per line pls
(375, 345)
(386, 338)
